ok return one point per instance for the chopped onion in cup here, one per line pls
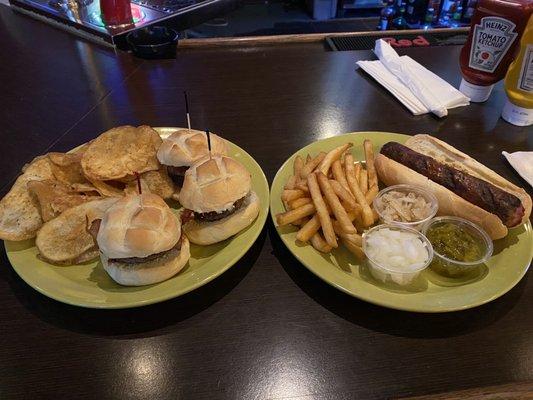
(396, 254)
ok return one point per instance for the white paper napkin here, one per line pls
(522, 162)
(419, 89)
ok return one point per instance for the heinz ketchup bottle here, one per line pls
(494, 36)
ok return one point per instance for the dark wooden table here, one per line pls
(267, 328)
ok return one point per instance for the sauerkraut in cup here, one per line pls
(406, 205)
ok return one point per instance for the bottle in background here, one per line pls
(436, 5)
(494, 36)
(518, 109)
(428, 18)
(415, 12)
(469, 7)
(456, 19)
(399, 22)
(387, 13)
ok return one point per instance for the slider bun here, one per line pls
(391, 172)
(183, 147)
(449, 155)
(206, 233)
(158, 270)
(138, 226)
(214, 184)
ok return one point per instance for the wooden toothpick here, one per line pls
(187, 110)
(208, 141)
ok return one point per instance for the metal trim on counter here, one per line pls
(295, 38)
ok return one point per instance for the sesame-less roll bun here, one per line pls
(140, 241)
(218, 200)
(184, 147)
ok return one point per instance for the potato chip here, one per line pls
(156, 182)
(109, 188)
(20, 216)
(65, 239)
(120, 152)
(54, 197)
(87, 188)
(67, 167)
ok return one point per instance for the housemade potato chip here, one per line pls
(54, 197)
(120, 152)
(156, 182)
(66, 167)
(65, 239)
(20, 215)
(109, 188)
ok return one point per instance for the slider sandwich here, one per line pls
(140, 240)
(183, 148)
(218, 200)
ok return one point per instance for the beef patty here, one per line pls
(95, 227)
(211, 216)
(177, 174)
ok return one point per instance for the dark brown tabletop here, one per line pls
(267, 328)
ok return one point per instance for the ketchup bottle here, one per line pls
(494, 36)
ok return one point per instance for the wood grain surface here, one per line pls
(267, 328)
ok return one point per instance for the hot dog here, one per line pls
(463, 186)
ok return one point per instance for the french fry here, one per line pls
(333, 155)
(299, 202)
(354, 249)
(291, 183)
(311, 165)
(335, 204)
(298, 165)
(302, 185)
(308, 158)
(338, 174)
(353, 237)
(369, 157)
(292, 194)
(322, 211)
(371, 194)
(300, 222)
(290, 216)
(320, 244)
(309, 229)
(363, 180)
(345, 196)
(367, 217)
(357, 170)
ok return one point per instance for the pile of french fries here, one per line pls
(329, 198)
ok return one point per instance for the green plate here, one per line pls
(88, 285)
(432, 293)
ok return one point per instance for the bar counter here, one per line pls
(267, 328)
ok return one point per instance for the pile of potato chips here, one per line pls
(56, 192)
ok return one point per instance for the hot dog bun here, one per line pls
(392, 173)
(446, 154)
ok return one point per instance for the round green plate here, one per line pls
(88, 285)
(432, 293)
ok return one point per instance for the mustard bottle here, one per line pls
(518, 109)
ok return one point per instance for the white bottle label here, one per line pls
(490, 42)
(525, 81)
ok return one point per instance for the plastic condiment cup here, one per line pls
(428, 196)
(453, 268)
(385, 273)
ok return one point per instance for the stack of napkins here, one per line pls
(419, 89)
(522, 162)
